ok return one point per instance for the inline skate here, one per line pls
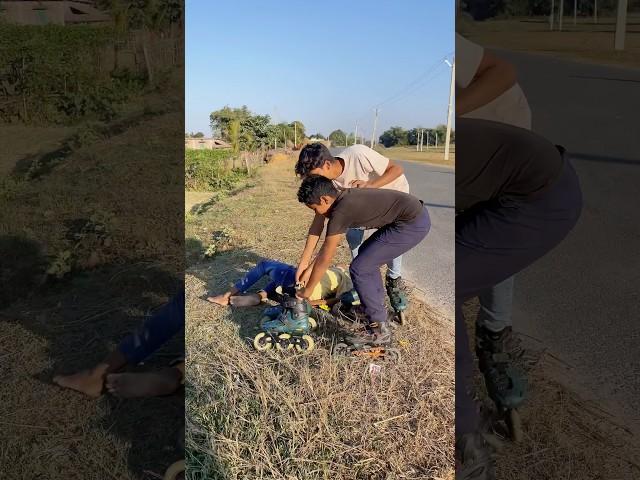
(506, 384)
(372, 342)
(286, 326)
(398, 299)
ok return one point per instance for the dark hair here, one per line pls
(315, 186)
(313, 155)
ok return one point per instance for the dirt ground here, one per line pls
(586, 41)
(313, 416)
(100, 218)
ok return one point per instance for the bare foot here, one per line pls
(89, 382)
(245, 300)
(151, 384)
(220, 299)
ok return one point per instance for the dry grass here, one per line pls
(433, 155)
(270, 416)
(586, 42)
(116, 278)
(565, 438)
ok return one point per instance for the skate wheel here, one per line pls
(340, 349)
(515, 425)
(262, 342)
(305, 344)
(313, 324)
(284, 342)
(174, 470)
(402, 317)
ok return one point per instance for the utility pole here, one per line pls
(575, 12)
(373, 134)
(427, 139)
(417, 139)
(560, 15)
(595, 11)
(436, 139)
(355, 136)
(295, 134)
(421, 139)
(621, 25)
(552, 15)
(450, 112)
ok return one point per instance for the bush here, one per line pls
(210, 170)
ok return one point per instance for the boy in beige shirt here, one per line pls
(358, 166)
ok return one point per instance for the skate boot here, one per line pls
(286, 326)
(373, 341)
(474, 460)
(506, 384)
(397, 298)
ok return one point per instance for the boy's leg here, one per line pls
(496, 240)
(155, 331)
(394, 268)
(355, 237)
(383, 246)
(495, 306)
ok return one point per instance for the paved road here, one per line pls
(582, 299)
(430, 266)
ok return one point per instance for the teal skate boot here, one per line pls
(286, 327)
(398, 299)
(506, 384)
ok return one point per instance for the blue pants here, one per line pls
(494, 241)
(156, 330)
(383, 246)
(281, 275)
(355, 238)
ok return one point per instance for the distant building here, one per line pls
(204, 143)
(61, 12)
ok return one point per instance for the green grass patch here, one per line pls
(211, 171)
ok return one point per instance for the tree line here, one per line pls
(248, 131)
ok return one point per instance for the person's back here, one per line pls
(522, 165)
(365, 164)
(371, 208)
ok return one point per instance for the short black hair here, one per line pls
(315, 186)
(313, 155)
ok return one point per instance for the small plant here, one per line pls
(61, 265)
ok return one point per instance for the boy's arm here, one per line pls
(386, 170)
(493, 77)
(392, 172)
(322, 263)
(317, 226)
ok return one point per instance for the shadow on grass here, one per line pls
(82, 318)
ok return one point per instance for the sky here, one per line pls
(327, 64)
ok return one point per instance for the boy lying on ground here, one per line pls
(155, 332)
(331, 285)
(402, 222)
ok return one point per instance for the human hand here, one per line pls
(359, 184)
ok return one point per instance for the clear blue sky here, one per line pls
(327, 64)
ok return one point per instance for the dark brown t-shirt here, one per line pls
(498, 160)
(371, 208)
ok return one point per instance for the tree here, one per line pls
(220, 120)
(319, 136)
(198, 135)
(338, 137)
(394, 136)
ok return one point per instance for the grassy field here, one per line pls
(586, 41)
(98, 213)
(432, 155)
(270, 416)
